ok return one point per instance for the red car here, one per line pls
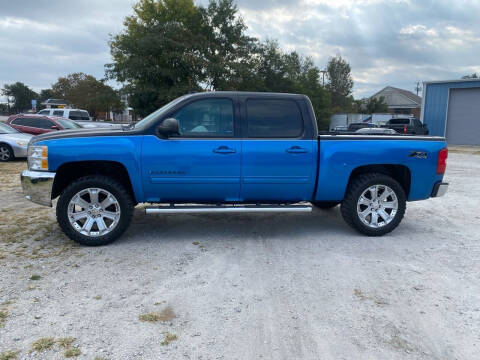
(39, 124)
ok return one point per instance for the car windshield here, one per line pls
(148, 120)
(5, 129)
(68, 124)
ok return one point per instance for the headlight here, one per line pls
(38, 157)
(22, 143)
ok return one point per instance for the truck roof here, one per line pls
(245, 93)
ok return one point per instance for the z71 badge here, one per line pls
(418, 154)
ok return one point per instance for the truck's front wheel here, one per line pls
(374, 204)
(94, 210)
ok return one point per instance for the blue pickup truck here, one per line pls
(229, 152)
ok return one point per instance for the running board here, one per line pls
(175, 209)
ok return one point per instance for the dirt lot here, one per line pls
(275, 286)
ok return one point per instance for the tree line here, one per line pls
(79, 89)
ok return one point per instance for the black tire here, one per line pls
(96, 181)
(325, 205)
(8, 149)
(355, 190)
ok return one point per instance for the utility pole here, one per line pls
(417, 87)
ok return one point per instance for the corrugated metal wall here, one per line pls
(436, 101)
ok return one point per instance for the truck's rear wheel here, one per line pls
(94, 210)
(374, 204)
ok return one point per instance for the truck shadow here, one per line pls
(198, 227)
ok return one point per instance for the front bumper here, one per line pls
(439, 189)
(37, 186)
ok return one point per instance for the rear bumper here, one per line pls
(439, 189)
(37, 186)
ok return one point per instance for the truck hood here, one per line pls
(89, 132)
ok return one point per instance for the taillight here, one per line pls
(405, 129)
(442, 161)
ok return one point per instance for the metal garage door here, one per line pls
(463, 120)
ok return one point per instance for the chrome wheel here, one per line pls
(377, 206)
(93, 212)
(4, 153)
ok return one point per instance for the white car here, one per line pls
(13, 144)
(80, 116)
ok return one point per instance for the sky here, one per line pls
(387, 42)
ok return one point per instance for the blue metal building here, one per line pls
(452, 109)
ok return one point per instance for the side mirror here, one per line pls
(167, 128)
(54, 127)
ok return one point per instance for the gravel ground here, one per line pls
(271, 286)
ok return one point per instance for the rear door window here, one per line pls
(78, 115)
(274, 118)
(58, 113)
(24, 122)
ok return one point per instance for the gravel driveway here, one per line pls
(262, 286)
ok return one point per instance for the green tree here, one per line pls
(227, 49)
(86, 92)
(21, 95)
(160, 53)
(376, 105)
(340, 83)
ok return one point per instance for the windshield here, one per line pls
(5, 129)
(148, 120)
(68, 124)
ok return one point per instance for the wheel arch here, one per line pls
(400, 173)
(68, 172)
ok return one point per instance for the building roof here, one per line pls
(399, 98)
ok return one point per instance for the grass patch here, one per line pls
(3, 317)
(73, 352)
(9, 355)
(165, 315)
(42, 344)
(99, 358)
(65, 342)
(98, 297)
(35, 277)
(168, 339)
(196, 243)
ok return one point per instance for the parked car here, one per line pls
(361, 125)
(373, 131)
(38, 124)
(407, 126)
(264, 156)
(13, 144)
(80, 116)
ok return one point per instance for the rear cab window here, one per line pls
(399, 121)
(274, 118)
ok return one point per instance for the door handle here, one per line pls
(224, 150)
(296, 150)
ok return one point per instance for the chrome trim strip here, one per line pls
(223, 209)
(37, 186)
